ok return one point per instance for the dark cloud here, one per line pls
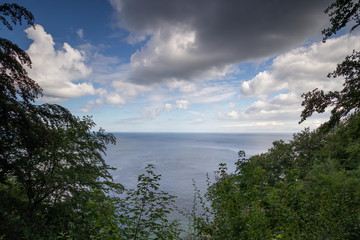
(224, 32)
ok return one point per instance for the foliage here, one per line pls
(141, 213)
(102, 209)
(200, 216)
(53, 168)
(346, 101)
(342, 12)
(16, 14)
(51, 162)
(58, 166)
(144, 212)
(15, 85)
(307, 188)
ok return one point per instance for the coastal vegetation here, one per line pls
(55, 184)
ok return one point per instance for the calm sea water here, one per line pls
(181, 157)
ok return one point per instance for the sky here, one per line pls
(235, 66)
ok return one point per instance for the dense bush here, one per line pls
(307, 188)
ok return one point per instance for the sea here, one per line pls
(182, 158)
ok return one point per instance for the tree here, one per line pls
(15, 84)
(56, 168)
(346, 101)
(307, 188)
(50, 160)
(140, 213)
(144, 212)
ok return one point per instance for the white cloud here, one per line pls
(206, 92)
(212, 94)
(121, 93)
(303, 69)
(256, 124)
(202, 92)
(134, 38)
(172, 54)
(188, 88)
(129, 90)
(158, 99)
(168, 107)
(58, 72)
(282, 110)
(86, 108)
(182, 104)
(232, 105)
(278, 90)
(278, 107)
(281, 107)
(264, 83)
(115, 99)
(156, 109)
(197, 113)
(232, 115)
(80, 32)
(183, 86)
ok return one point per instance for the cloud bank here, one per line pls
(278, 90)
(303, 69)
(188, 40)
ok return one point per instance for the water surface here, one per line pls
(181, 157)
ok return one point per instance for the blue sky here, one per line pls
(183, 66)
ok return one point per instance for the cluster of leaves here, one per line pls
(347, 101)
(141, 213)
(343, 102)
(341, 12)
(307, 188)
(50, 161)
(144, 212)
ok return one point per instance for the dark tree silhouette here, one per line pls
(50, 160)
(342, 12)
(346, 101)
